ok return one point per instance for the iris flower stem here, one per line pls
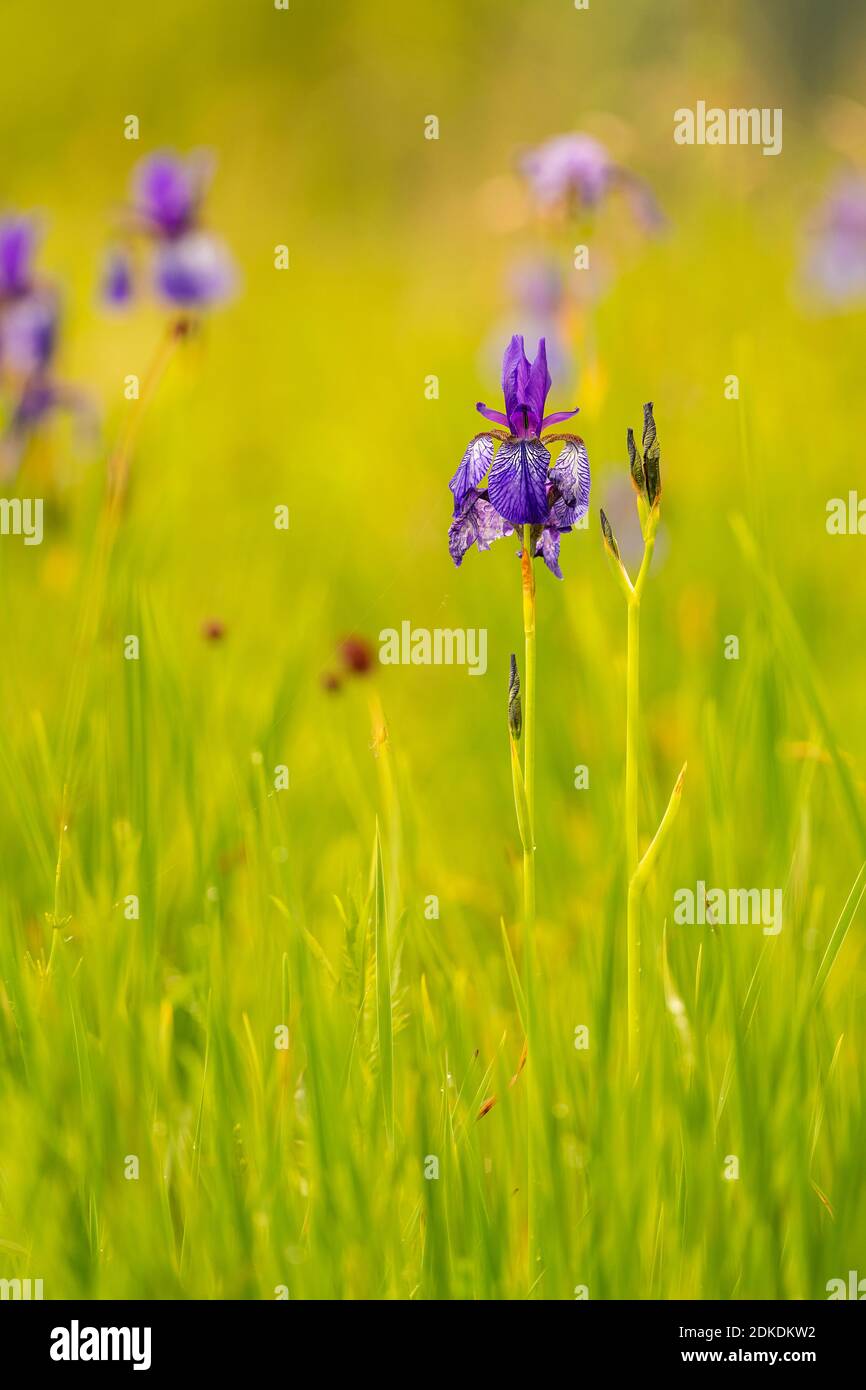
(635, 881)
(118, 463)
(528, 577)
(631, 830)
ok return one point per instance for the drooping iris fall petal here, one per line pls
(194, 271)
(28, 333)
(547, 546)
(117, 285)
(571, 477)
(473, 467)
(476, 523)
(518, 481)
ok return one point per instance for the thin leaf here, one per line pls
(384, 1021)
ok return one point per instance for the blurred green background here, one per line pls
(263, 1169)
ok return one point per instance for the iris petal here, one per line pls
(477, 523)
(515, 374)
(473, 466)
(194, 271)
(558, 416)
(537, 387)
(571, 476)
(18, 236)
(548, 548)
(167, 190)
(30, 333)
(489, 414)
(518, 481)
(117, 286)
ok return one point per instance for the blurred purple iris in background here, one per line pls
(836, 260)
(29, 323)
(575, 172)
(188, 266)
(18, 238)
(522, 488)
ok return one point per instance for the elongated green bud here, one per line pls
(515, 713)
(609, 538)
(635, 464)
(651, 456)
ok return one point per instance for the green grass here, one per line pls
(305, 1167)
(262, 1167)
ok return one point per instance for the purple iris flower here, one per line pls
(836, 264)
(194, 271)
(28, 342)
(28, 333)
(569, 166)
(576, 170)
(18, 238)
(190, 268)
(29, 324)
(522, 488)
(167, 192)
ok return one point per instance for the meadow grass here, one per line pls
(262, 1168)
(305, 1167)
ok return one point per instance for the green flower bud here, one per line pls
(651, 456)
(609, 538)
(635, 463)
(515, 713)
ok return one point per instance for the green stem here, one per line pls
(528, 576)
(632, 842)
(631, 831)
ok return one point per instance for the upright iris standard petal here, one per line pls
(515, 374)
(194, 271)
(537, 387)
(476, 523)
(167, 191)
(571, 477)
(473, 467)
(18, 238)
(518, 481)
(525, 387)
